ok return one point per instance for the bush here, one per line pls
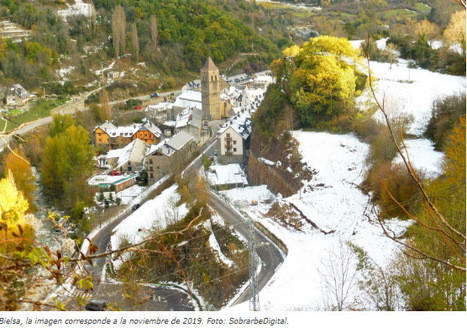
(444, 116)
(399, 184)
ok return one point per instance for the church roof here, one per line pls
(209, 65)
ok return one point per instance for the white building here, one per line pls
(17, 96)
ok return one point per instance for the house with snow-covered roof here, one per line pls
(107, 135)
(129, 159)
(108, 182)
(159, 113)
(168, 156)
(222, 177)
(233, 140)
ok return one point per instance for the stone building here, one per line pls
(210, 90)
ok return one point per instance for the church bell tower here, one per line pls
(210, 90)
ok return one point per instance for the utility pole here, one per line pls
(254, 296)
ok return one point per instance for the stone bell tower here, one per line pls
(210, 90)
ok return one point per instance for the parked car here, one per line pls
(154, 95)
(96, 305)
(135, 207)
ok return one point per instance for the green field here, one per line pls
(40, 109)
(398, 13)
(9, 126)
(422, 7)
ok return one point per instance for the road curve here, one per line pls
(270, 255)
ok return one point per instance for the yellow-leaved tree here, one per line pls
(22, 171)
(321, 78)
(16, 242)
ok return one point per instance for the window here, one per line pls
(235, 149)
(151, 175)
(150, 161)
(235, 142)
(129, 168)
(150, 168)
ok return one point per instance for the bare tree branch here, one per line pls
(445, 230)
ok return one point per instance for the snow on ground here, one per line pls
(128, 194)
(334, 203)
(412, 91)
(157, 213)
(409, 90)
(77, 9)
(63, 72)
(215, 246)
(245, 196)
(423, 157)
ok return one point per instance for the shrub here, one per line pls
(399, 184)
(445, 114)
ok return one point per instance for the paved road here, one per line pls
(68, 108)
(270, 255)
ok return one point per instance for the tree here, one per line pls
(338, 274)
(66, 165)
(16, 163)
(119, 30)
(16, 236)
(60, 123)
(153, 28)
(135, 41)
(455, 31)
(320, 77)
(105, 112)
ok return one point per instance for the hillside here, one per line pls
(172, 38)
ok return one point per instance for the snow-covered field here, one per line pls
(409, 90)
(412, 91)
(333, 203)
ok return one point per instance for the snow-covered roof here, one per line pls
(168, 147)
(108, 179)
(151, 128)
(134, 152)
(240, 123)
(186, 117)
(226, 175)
(129, 130)
(188, 99)
(106, 126)
(114, 153)
(179, 140)
(162, 106)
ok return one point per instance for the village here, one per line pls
(213, 108)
